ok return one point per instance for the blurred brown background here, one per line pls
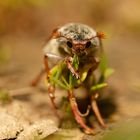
(26, 24)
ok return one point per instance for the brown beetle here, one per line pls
(65, 42)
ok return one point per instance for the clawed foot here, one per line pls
(96, 110)
(90, 131)
(76, 74)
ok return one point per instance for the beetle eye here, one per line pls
(69, 44)
(88, 44)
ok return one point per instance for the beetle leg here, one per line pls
(51, 88)
(70, 67)
(51, 91)
(84, 114)
(46, 65)
(96, 110)
(76, 114)
(95, 96)
(37, 78)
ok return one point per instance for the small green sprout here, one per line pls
(4, 96)
(69, 82)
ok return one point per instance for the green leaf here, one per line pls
(108, 72)
(65, 82)
(57, 78)
(103, 63)
(60, 84)
(84, 75)
(105, 71)
(56, 72)
(75, 62)
(72, 80)
(98, 86)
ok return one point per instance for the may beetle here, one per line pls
(71, 56)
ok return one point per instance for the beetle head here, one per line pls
(77, 38)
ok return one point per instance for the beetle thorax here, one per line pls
(76, 31)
